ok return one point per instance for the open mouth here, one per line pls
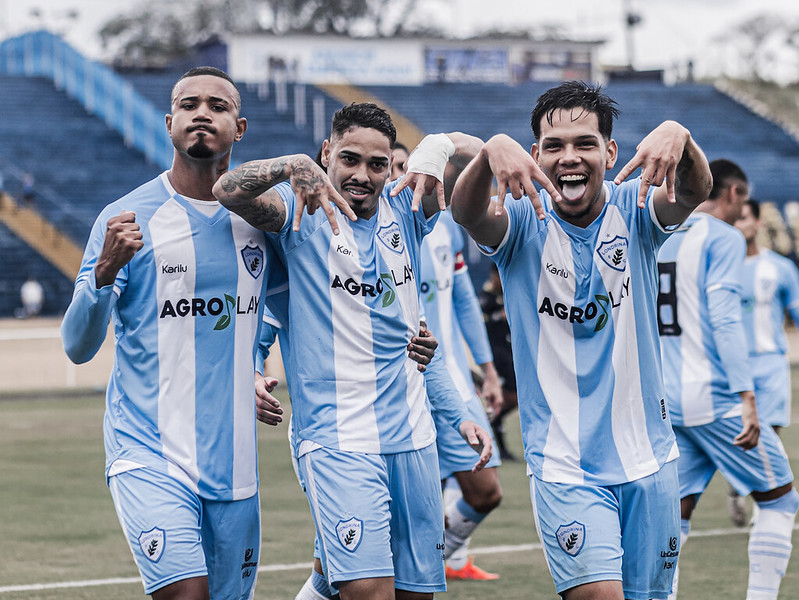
(572, 187)
(357, 192)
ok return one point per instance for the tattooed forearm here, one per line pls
(683, 176)
(263, 215)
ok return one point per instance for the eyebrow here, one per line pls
(213, 99)
(378, 159)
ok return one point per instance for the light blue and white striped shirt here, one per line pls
(581, 308)
(186, 312)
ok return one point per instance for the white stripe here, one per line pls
(696, 398)
(628, 418)
(244, 446)
(557, 365)
(356, 380)
(419, 417)
(172, 241)
(765, 285)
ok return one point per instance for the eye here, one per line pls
(379, 167)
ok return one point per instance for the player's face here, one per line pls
(748, 224)
(575, 156)
(738, 195)
(357, 164)
(204, 122)
(399, 158)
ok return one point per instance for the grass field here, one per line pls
(59, 536)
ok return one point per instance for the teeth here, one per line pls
(572, 178)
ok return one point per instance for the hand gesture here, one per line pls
(491, 392)
(123, 239)
(480, 441)
(422, 185)
(658, 155)
(515, 171)
(267, 407)
(314, 190)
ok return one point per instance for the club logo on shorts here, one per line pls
(152, 543)
(391, 238)
(614, 253)
(571, 537)
(349, 533)
(253, 257)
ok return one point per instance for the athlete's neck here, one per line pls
(752, 249)
(195, 179)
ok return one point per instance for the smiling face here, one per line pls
(575, 156)
(205, 121)
(357, 163)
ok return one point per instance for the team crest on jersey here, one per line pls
(443, 255)
(253, 257)
(614, 253)
(390, 236)
(152, 543)
(349, 533)
(571, 537)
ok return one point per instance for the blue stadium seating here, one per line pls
(80, 164)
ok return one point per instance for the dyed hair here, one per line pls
(575, 94)
(364, 114)
(724, 171)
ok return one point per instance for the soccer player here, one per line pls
(578, 267)
(770, 290)
(182, 280)
(492, 304)
(708, 379)
(359, 404)
(453, 314)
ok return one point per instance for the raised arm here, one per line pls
(434, 166)
(670, 155)
(247, 191)
(515, 171)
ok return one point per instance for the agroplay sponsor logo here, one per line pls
(598, 309)
(223, 308)
(385, 287)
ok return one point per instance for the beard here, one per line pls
(200, 150)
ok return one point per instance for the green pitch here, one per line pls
(61, 540)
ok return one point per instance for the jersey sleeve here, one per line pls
(469, 313)
(444, 396)
(85, 322)
(790, 291)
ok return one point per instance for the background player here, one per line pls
(708, 379)
(578, 266)
(453, 314)
(182, 279)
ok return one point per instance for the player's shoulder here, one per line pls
(143, 200)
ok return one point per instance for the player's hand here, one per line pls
(313, 190)
(515, 171)
(750, 434)
(491, 391)
(422, 347)
(123, 239)
(267, 407)
(658, 155)
(480, 441)
(422, 185)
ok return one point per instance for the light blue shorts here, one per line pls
(176, 535)
(704, 449)
(454, 454)
(378, 515)
(586, 530)
(772, 375)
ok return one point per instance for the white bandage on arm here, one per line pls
(431, 155)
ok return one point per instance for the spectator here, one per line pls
(32, 296)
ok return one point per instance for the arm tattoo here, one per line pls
(684, 168)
